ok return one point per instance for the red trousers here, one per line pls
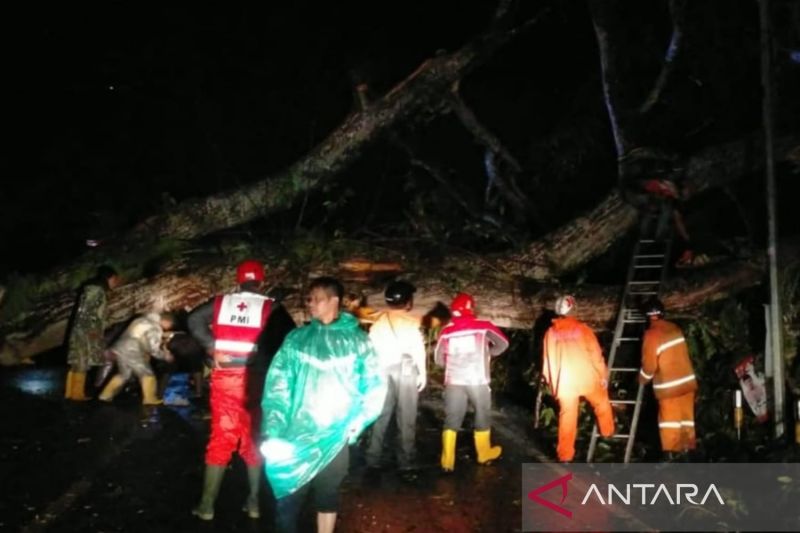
(231, 422)
(568, 419)
(676, 423)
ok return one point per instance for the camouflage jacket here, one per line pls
(86, 343)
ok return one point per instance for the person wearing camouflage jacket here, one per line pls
(85, 343)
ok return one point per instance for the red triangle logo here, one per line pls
(563, 480)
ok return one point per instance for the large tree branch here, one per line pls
(42, 327)
(677, 9)
(592, 234)
(418, 98)
(185, 283)
(520, 204)
(616, 102)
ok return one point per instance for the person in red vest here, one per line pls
(465, 348)
(573, 367)
(665, 361)
(230, 328)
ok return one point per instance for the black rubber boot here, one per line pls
(254, 480)
(211, 483)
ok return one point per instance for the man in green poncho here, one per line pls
(323, 389)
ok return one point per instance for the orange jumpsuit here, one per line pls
(573, 366)
(665, 360)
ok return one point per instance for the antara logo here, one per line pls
(650, 494)
(563, 480)
(688, 490)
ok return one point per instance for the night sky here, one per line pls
(119, 109)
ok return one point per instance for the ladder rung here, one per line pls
(647, 266)
(642, 292)
(620, 436)
(648, 256)
(634, 321)
(623, 369)
(634, 339)
(647, 241)
(654, 282)
(626, 402)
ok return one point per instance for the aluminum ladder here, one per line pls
(646, 274)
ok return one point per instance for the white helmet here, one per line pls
(565, 304)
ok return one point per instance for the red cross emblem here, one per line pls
(242, 306)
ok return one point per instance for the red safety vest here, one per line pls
(238, 321)
(465, 348)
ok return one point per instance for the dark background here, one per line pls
(118, 110)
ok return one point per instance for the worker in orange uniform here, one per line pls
(665, 361)
(573, 367)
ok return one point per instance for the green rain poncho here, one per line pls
(322, 390)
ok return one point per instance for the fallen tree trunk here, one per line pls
(572, 245)
(592, 234)
(184, 284)
(419, 98)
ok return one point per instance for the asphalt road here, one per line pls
(96, 467)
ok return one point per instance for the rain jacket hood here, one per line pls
(323, 389)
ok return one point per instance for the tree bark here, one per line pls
(592, 234)
(419, 98)
(186, 283)
(42, 327)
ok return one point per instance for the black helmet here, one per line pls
(399, 293)
(653, 307)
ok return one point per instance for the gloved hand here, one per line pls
(276, 449)
(421, 382)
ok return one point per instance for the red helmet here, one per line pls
(463, 304)
(250, 270)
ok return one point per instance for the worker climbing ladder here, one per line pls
(646, 275)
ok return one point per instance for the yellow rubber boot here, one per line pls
(486, 452)
(112, 388)
(68, 386)
(449, 450)
(149, 391)
(78, 387)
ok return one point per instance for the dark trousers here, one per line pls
(326, 493)
(401, 400)
(456, 398)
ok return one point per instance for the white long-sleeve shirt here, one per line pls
(395, 333)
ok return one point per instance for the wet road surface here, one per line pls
(68, 466)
